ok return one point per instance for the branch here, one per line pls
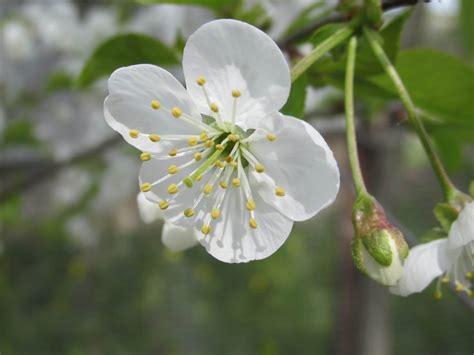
(50, 169)
(337, 18)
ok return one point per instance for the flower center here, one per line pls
(221, 155)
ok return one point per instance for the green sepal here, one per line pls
(433, 234)
(446, 214)
(378, 245)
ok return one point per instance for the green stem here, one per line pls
(350, 130)
(318, 51)
(449, 190)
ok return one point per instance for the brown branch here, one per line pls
(50, 169)
(337, 18)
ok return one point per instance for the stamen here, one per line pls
(236, 182)
(198, 156)
(189, 212)
(233, 137)
(173, 152)
(134, 133)
(145, 156)
(155, 104)
(172, 169)
(259, 168)
(145, 187)
(215, 213)
(164, 205)
(236, 93)
(251, 205)
(207, 189)
(172, 189)
(201, 80)
(253, 223)
(203, 136)
(219, 147)
(209, 144)
(206, 229)
(154, 138)
(176, 112)
(219, 164)
(280, 191)
(192, 141)
(271, 137)
(214, 108)
(223, 184)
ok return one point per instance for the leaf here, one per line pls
(438, 83)
(295, 104)
(123, 50)
(466, 14)
(471, 189)
(19, 132)
(59, 81)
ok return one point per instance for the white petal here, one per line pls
(128, 106)
(155, 169)
(232, 240)
(462, 230)
(148, 211)
(300, 161)
(177, 238)
(234, 55)
(423, 264)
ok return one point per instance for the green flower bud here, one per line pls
(378, 248)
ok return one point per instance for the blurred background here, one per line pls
(80, 273)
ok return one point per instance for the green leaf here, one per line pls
(446, 215)
(19, 132)
(438, 83)
(466, 14)
(295, 104)
(471, 189)
(433, 234)
(59, 81)
(123, 50)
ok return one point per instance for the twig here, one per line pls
(50, 169)
(337, 18)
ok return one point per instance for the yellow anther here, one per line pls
(271, 137)
(172, 189)
(172, 169)
(207, 189)
(233, 137)
(470, 275)
(206, 229)
(201, 80)
(438, 295)
(145, 156)
(223, 184)
(188, 182)
(233, 164)
(199, 178)
(189, 212)
(445, 279)
(214, 108)
(192, 141)
(459, 286)
(134, 133)
(219, 147)
(164, 205)
(259, 168)
(280, 191)
(197, 156)
(173, 152)
(251, 205)
(203, 136)
(236, 93)
(253, 223)
(145, 187)
(215, 213)
(219, 164)
(469, 292)
(154, 137)
(209, 144)
(236, 182)
(229, 159)
(155, 104)
(176, 112)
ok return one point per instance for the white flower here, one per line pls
(452, 257)
(219, 157)
(173, 237)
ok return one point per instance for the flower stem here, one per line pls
(350, 130)
(318, 51)
(449, 190)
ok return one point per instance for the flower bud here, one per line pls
(378, 248)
